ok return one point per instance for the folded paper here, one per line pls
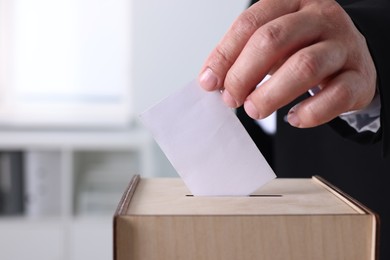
(207, 144)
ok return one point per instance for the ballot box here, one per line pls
(286, 219)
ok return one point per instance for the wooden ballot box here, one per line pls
(287, 219)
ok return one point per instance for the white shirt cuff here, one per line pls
(367, 119)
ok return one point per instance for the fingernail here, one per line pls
(251, 110)
(292, 117)
(208, 80)
(228, 99)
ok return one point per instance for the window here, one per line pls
(65, 63)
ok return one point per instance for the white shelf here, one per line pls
(91, 164)
(74, 139)
(21, 239)
(55, 239)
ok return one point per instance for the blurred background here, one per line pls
(74, 75)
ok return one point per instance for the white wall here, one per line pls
(172, 38)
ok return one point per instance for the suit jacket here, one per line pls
(356, 163)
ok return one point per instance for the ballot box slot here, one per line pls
(250, 196)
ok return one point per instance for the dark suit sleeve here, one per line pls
(372, 18)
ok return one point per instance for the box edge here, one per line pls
(122, 208)
(361, 208)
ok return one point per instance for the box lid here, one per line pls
(170, 196)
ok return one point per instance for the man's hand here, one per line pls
(302, 44)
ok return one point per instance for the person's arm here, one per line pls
(372, 19)
(302, 44)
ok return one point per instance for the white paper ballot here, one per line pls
(207, 144)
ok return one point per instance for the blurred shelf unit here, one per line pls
(64, 186)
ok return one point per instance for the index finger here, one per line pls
(218, 63)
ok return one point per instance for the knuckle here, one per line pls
(237, 86)
(305, 66)
(309, 115)
(356, 96)
(331, 10)
(268, 101)
(270, 37)
(233, 80)
(234, 83)
(346, 94)
(246, 24)
(223, 56)
(334, 17)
